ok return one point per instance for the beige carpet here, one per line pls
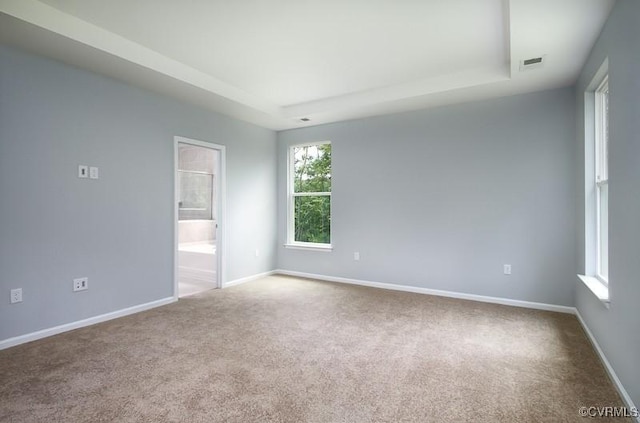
(290, 350)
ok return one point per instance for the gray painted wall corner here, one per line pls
(117, 230)
(442, 198)
(615, 329)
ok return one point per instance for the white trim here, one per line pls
(612, 374)
(602, 71)
(248, 279)
(601, 120)
(290, 199)
(311, 194)
(310, 143)
(592, 132)
(291, 243)
(597, 287)
(437, 292)
(221, 235)
(176, 212)
(309, 246)
(11, 342)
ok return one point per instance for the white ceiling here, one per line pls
(272, 62)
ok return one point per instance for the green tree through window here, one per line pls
(311, 193)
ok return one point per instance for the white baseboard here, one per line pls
(17, 340)
(10, 342)
(437, 292)
(248, 279)
(612, 374)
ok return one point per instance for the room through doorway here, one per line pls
(197, 193)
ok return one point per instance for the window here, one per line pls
(309, 199)
(596, 172)
(196, 195)
(196, 182)
(602, 179)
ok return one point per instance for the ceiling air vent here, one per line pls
(532, 63)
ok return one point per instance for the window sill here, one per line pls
(600, 290)
(326, 248)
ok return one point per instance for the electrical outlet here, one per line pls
(507, 269)
(16, 295)
(83, 171)
(80, 284)
(356, 256)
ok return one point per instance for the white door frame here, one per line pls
(221, 177)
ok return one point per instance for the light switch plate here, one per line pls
(93, 172)
(83, 171)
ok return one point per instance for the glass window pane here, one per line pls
(603, 242)
(195, 158)
(602, 133)
(605, 133)
(312, 168)
(313, 219)
(196, 192)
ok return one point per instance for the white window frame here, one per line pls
(596, 132)
(291, 196)
(601, 172)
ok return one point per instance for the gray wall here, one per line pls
(616, 329)
(117, 230)
(442, 198)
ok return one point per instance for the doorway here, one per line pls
(199, 196)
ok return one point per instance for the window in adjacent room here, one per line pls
(309, 199)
